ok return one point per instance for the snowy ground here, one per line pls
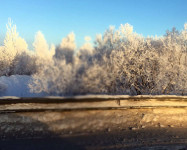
(16, 85)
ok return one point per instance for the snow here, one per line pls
(16, 86)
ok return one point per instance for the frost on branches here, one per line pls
(15, 57)
(121, 61)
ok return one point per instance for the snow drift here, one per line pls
(16, 85)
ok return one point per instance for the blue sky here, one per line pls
(56, 18)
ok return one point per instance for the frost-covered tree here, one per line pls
(172, 78)
(4, 62)
(24, 64)
(121, 62)
(57, 78)
(63, 75)
(86, 51)
(41, 47)
(43, 53)
(67, 48)
(128, 55)
(13, 45)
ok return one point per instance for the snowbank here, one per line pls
(16, 85)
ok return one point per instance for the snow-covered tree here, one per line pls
(57, 78)
(24, 64)
(13, 45)
(67, 48)
(172, 78)
(41, 47)
(86, 51)
(122, 62)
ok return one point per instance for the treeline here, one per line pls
(120, 62)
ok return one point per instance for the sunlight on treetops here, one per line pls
(13, 43)
(68, 42)
(41, 46)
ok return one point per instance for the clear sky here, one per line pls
(56, 18)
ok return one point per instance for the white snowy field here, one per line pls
(16, 85)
